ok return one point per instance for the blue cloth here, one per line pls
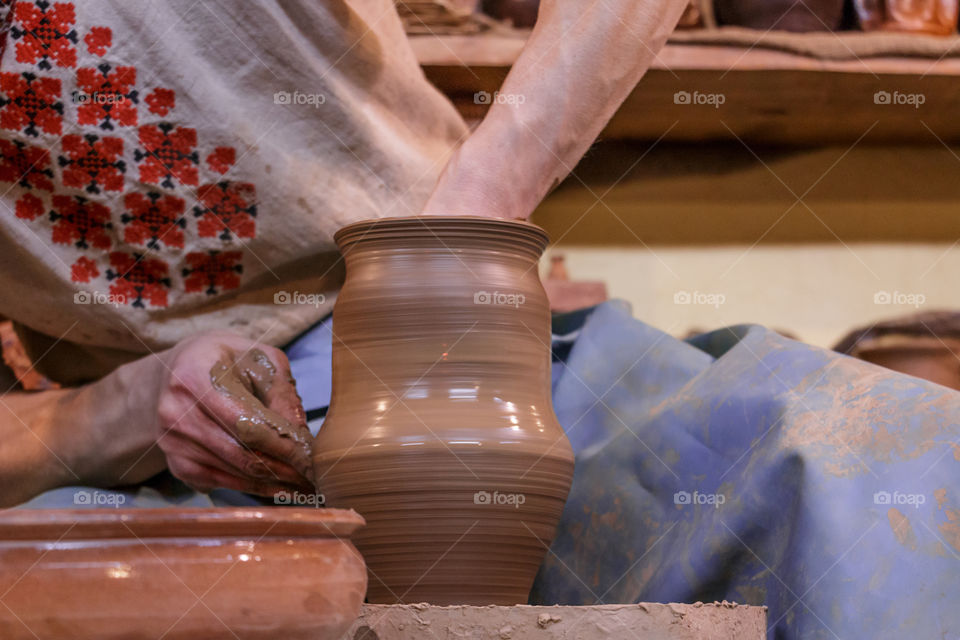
(748, 467)
(740, 466)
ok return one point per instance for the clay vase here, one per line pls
(112, 574)
(441, 431)
(936, 17)
(781, 15)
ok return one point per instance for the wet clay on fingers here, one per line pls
(441, 431)
(248, 380)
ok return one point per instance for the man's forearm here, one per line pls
(580, 63)
(85, 436)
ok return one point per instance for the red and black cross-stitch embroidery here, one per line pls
(81, 222)
(93, 162)
(29, 207)
(98, 40)
(160, 101)
(107, 99)
(136, 279)
(153, 218)
(26, 165)
(222, 159)
(44, 33)
(212, 271)
(106, 96)
(227, 209)
(168, 152)
(30, 101)
(83, 270)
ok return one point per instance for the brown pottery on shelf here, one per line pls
(441, 431)
(781, 15)
(232, 573)
(936, 17)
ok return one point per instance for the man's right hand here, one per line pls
(217, 409)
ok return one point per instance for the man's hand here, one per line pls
(218, 410)
(228, 415)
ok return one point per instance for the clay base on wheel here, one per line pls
(630, 621)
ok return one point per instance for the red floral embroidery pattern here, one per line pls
(25, 164)
(160, 101)
(29, 102)
(81, 222)
(29, 207)
(228, 208)
(84, 270)
(98, 40)
(138, 279)
(168, 152)
(212, 270)
(222, 159)
(44, 34)
(93, 162)
(154, 218)
(106, 95)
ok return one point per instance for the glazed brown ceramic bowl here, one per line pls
(179, 573)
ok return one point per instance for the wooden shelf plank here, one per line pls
(770, 96)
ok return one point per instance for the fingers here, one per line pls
(231, 417)
(203, 478)
(216, 448)
(256, 402)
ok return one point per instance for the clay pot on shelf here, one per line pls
(925, 345)
(781, 15)
(936, 17)
(441, 431)
(104, 574)
(521, 13)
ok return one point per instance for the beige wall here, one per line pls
(816, 291)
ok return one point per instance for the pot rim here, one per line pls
(442, 226)
(171, 522)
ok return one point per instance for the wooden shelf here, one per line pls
(772, 95)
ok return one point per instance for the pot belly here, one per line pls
(451, 525)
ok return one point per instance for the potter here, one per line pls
(440, 431)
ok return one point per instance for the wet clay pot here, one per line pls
(441, 431)
(104, 574)
(937, 17)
